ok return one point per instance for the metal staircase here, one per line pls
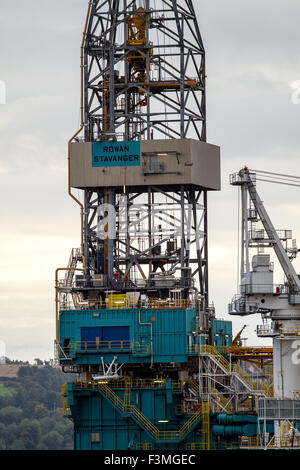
(139, 417)
(205, 432)
(73, 260)
(253, 386)
(222, 401)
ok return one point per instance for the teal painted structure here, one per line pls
(232, 426)
(221, 333)
(99, 425)
(93, 413)
(128, 333)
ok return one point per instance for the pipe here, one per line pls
(226, 419)
(78, 132)
(151, 328)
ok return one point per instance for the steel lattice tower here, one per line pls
(144, 79)
(144, 71)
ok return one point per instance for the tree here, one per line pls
(18, 444)
(10, 415)
(2, 431)
(40, 411)
(11, 434)
(27, 417)
(2, 444)
(30, 433)
(53, 440)
(38, 362)
(47, 424)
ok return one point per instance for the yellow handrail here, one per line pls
(91, 346)
(65, 404)
(126, 304)
(253, 385)
(123, 383)
(222, 400)
(146, 423)
(205, 425)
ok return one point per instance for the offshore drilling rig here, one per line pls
(155, 368)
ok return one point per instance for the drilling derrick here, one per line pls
(133, 306)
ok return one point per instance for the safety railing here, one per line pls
(291, 331)
(205, 425)
(206, 349)
(213, 446)
(222, 445)
(194, 386)
(157, 434)
(143, 420)
(143, 446)
(177, 387)
(115, 344)
(275, 443)
(269, 330)
(190, 423)
(120, 384)
(194, 446)
(248, 289)
(200, 349)
(140, 349)
(154, 304)
(65, 403)
(222, 401)
(255, 386)
(80, 347)
(184, 409)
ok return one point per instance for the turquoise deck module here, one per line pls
(135, 413)
(135, 335)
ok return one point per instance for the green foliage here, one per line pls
(10, 415)
(30, 410)
(4, 391)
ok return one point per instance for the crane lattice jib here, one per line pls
(246, 179)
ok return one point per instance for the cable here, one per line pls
(281, 178)
(278, 182)
(278, 178)
(276, 174)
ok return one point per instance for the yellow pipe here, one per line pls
(78, 132)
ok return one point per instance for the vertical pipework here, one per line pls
(206, 286)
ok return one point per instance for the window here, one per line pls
(95, 437)
(105, 337)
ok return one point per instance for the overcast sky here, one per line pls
(253, 58)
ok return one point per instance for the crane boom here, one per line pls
(245, 179)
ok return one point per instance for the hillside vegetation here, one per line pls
(30, 410)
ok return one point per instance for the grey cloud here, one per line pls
(252, 57)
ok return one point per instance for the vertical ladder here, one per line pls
(205, 426)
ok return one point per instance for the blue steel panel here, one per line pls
(115, 333)
(172, 332)
(90, 334)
